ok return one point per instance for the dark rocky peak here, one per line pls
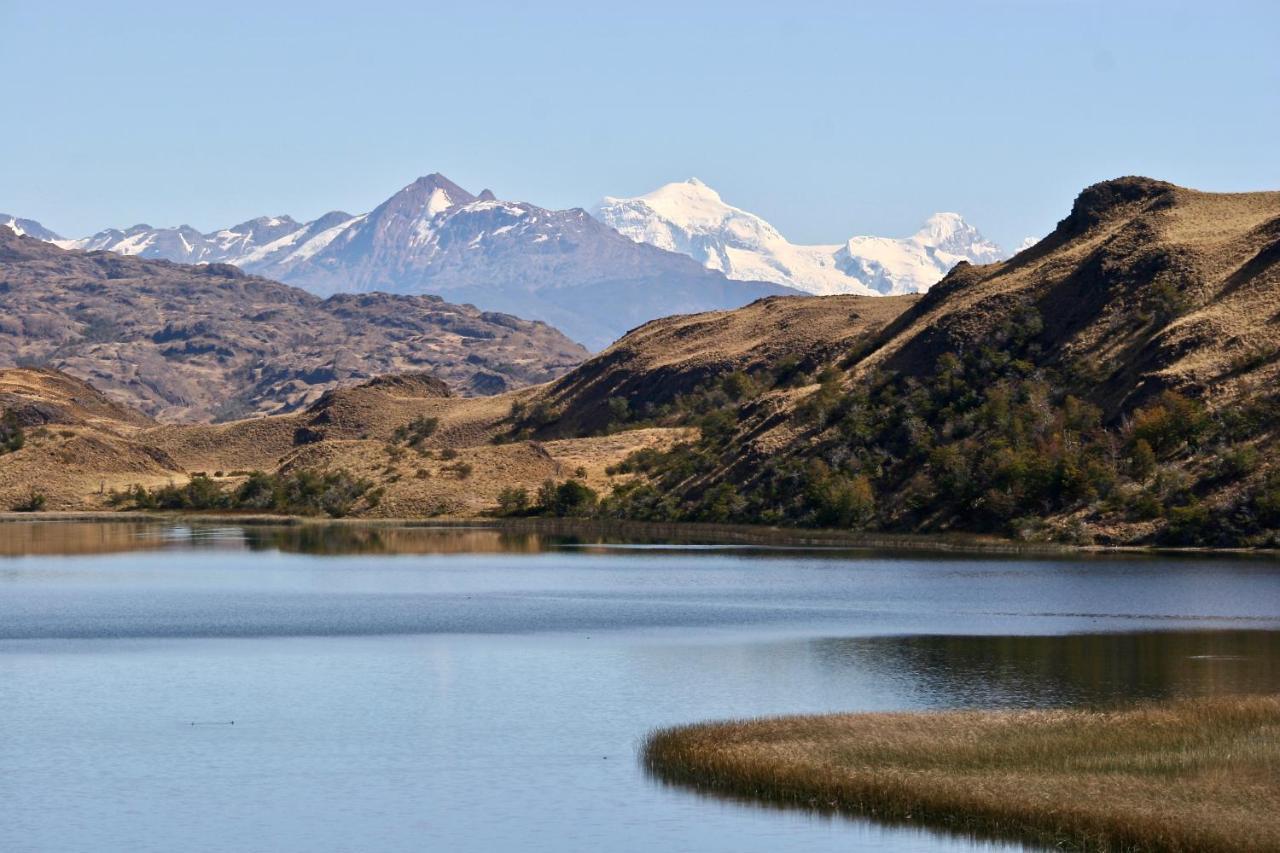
(424, 187)
(1101, 201)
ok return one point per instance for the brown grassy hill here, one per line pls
(36, 397)
(1119, 381)
(76, 443)
(425, 451)
(1145, 286)
(653, 366)
(199, 343)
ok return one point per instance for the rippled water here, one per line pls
(472, 690)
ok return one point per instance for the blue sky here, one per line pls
(828, 119)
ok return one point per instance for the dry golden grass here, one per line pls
(1198, 775)
(93, 446)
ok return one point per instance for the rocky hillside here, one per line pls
(184, 343)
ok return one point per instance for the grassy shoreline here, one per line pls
(1199, 775)
(729, 534)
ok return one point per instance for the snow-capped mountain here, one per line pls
(691, 218)
(29, 227)
(185, 244)
(433, 236)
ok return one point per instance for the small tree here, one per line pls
(619, 410)
(513, 500)
(1142, 462)
(574, 499)
(1169, 423)
(12, 438)
(547, 496)
(416, 431)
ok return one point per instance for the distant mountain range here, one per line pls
(691, 218)
(559, 266)
(679, 249)
(202, 343)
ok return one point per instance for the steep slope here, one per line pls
(691, 218)
(1116, 382)
(652, 369)
(209, 342)
(76, 443)
(558, 266)
(36, 397)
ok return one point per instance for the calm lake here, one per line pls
(470, 690)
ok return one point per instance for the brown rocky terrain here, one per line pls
(209, 343)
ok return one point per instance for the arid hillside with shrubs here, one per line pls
(1118, 382)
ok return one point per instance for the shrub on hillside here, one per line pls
(12, 437)
(303, 492)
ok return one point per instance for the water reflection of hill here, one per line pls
(71, 538)
(68, 538)
(342, 539)
(49, 537)
(1076, 669)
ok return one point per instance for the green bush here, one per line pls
(567, 499)
(12, 437)
(513, 500)
(416, 431)
(303, 492)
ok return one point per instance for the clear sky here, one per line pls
(827, 118)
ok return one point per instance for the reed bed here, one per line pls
(1200, 775)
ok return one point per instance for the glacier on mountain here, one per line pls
(689, 217)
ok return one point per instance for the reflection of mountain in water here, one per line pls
(1079, 669)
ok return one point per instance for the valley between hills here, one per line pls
(1117, 383)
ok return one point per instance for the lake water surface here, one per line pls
(468, 690)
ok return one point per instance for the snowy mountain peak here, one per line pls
(691, 218)
(948, 232)
(941, 227)
(27, 227)
(677, 213)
